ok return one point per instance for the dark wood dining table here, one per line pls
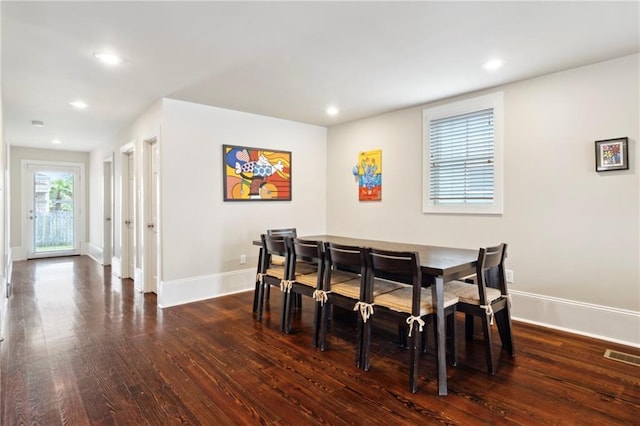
(439, 265)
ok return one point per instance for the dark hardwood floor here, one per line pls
(82, 347)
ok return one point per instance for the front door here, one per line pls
(52, 210)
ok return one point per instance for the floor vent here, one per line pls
(622, 357)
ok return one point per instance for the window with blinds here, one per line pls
(462, 156)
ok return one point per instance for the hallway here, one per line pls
(83, 347)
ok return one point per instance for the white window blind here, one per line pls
(461, 156)
(462, 170)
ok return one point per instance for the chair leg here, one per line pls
(414, 359)
(503, 320)
(468, 326)
(365, 344)
(486, 329)
(324, 322)
(317, 317)
(260, 306)
(402, 336)
(285, 318)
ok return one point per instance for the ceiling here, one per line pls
(282, 59)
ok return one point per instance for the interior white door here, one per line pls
(130, 222)
(52, 208)
(152, 207)
(127, 214)
(107, 240)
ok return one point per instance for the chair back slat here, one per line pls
(403, 265)
(308, 250)
(490, 270)
(284, 232)
(347, 258)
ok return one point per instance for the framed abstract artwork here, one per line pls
(256, 174)
(370, 175)
(612, 154)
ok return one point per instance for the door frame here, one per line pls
(125, 208)
(27, 202)
(108, 211)
(152, 226)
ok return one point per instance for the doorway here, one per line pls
(151, 208)
(128, 214)
(53, 200)
(107, 236)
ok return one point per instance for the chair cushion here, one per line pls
(342, 276)
(276, 271)
(468, 293)
(310, 280)
(400, 300)
(277, 260)
(303, 268)
(350, 289)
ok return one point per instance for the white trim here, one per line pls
(19, 253)
(187, 290)
(138, 280)
(601, 322)
(95, 253)
(116, 269)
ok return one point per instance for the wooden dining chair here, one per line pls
(275, 260)
(343, 287)
(410, 304)
(487, 298)
(272, 274)
(306, 273)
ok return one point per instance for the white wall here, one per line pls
(202, 236)
(573, 234)
(145, 127)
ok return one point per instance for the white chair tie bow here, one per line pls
(366, 310)
(412, 319)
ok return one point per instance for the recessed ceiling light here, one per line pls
(332, 110)
(108, 58)
(56, 141)
(37, 123)
(493, 64)
(78, 104)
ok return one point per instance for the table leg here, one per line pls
(437, 295)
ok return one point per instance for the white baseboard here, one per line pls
(600, 322)
(9, 265)
(178, 292)
(138, 280)
(116, 267)
(19, 253)
(95, 253)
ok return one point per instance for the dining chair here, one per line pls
(344, 283)
(272, 260)
(306, 273)
(487, 298)
(410, 304)
(272, 274)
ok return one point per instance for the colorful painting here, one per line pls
(256, 174)
(370, 175)
(612, 154)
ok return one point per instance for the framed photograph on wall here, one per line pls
(612, 154)
(256, 174)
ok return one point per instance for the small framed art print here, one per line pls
(612, 154)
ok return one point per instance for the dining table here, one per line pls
(439, 265)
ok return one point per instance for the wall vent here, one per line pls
(622, 357)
